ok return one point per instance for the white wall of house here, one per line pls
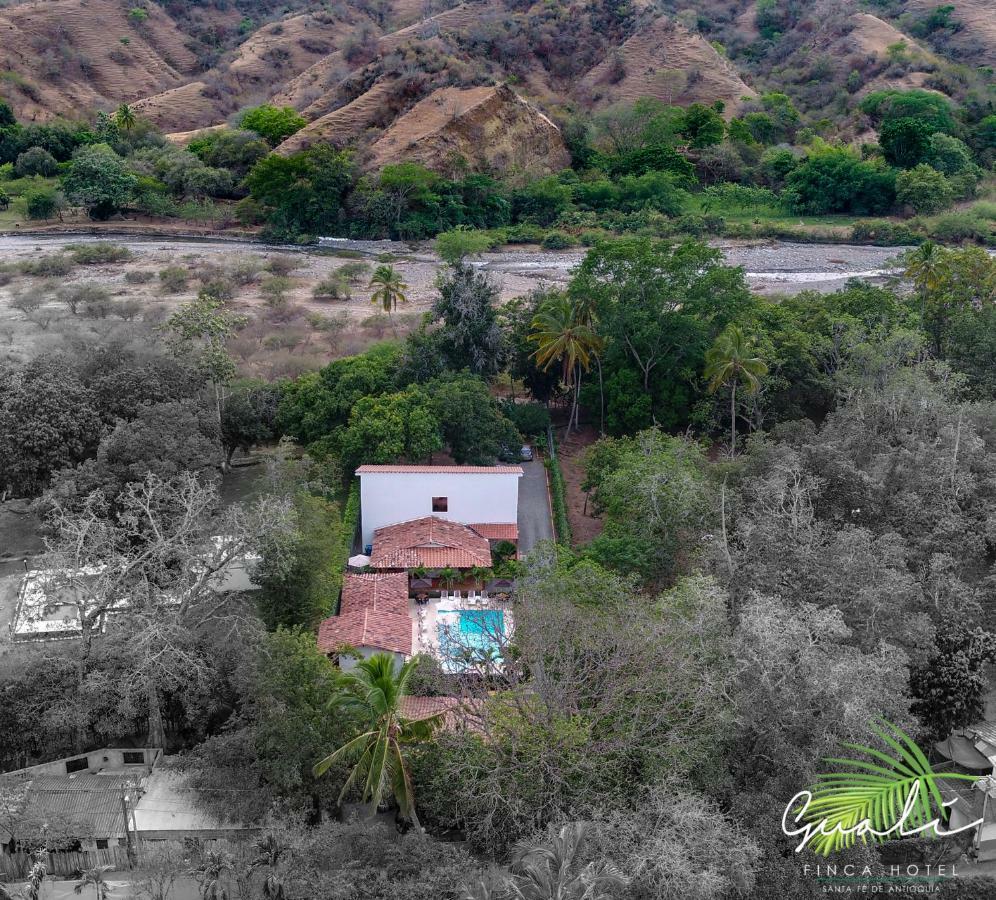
(387, 498)
(347, 662)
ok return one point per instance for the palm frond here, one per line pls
(869, 799)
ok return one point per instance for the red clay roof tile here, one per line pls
(430, 542)
(373, 613)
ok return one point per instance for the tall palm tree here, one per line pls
(124, 118)
(551, 871)
(374, 690)
(95, 877)
(390, 288)
(563, 331)
(925, 267)
(729, 362)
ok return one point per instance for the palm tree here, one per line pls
(390, 288)
(564, 331)
(730, 361)
(124, 118)
(374, 690)
(925, 267)
(94, 876)
(550, 871)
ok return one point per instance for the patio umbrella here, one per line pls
(359, 561)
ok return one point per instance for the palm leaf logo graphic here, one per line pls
(875, 790)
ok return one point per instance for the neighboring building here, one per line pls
(77, 803)
(97, 800)
(484, 496)
(373, 617)
(48, 600)
(973, 751)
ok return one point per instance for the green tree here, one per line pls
(562, 331)
(35, 161)
(905, 142)
(198, 332)
(273, 123)
(389, 288)
(249, 416)
(729, 362)
(47, 422)
(455, 246)
(949, 688)
(836, 180)
(702, 126)
(303, 192)
(99, 181)
(470, 421)
(949, 155)
(924, 189)
(298, 577)
(469, 336)
(391, 427)
(373, 693)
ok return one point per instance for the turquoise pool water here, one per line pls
(477, 638)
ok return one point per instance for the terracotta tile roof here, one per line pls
(431, 542)
(443, 470)
(373, 613)
(497, 531)
(457, 713)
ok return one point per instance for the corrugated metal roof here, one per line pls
(89, 803)
(439, 470)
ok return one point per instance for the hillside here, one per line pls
(366, 74)
(63, 56)
(490, 128)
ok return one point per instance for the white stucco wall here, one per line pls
(387, 498)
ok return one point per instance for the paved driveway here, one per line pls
(535, 520)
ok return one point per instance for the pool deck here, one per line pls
(430, 614)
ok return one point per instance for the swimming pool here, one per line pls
(475, 637)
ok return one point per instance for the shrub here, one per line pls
(353, 271)
(55, 266)
(884, 233)
(99, 253)
(174, 279)
(139, 277)
(42, 202)
(558, 495)
(79, 295)
(219, 287)
(282, 265)
(36, 161)
(272, 123)
(332, 288)
(245, 271)
(557, 240)
(274, 289)
(961, 227)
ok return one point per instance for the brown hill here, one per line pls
(974, 41)
(70, 57)
(347, 123)
(666, 61)
(491, 128)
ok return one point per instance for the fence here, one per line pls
(15, 867)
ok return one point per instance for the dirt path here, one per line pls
(584, 526)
